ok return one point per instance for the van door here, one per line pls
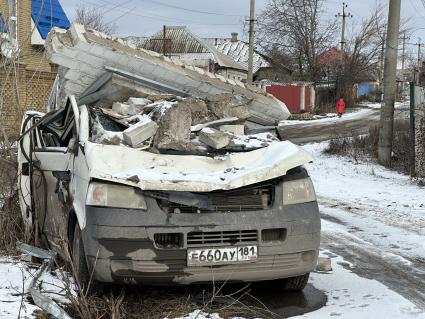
(51, 146)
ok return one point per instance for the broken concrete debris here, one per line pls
(126, 109)
(185, 125)
(214, 138)
(139, 99)
(174, 129)
(138, 133)
(233, 129)
(89, 61)
(226, 120)
(228, 105)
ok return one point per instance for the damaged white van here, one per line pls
(140, 215)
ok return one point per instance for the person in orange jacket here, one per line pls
(340, 107)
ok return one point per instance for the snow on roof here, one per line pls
(238, 51)
(47, 14)
(180, 40)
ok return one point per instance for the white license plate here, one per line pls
(226, 255)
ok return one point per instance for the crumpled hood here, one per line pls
(190, 173)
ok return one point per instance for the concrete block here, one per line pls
(139, 101)
(214, 138)
(136, 134)
(126, 109)
(233, 129)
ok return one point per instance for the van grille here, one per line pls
(168, 240)
(244, 199)
(221, 237)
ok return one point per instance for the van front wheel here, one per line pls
(296, 283)
(80, 269)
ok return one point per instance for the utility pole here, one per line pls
(164, 45)
(419, 44)
(390, 72)
(344, 16)
(403, 57)
(251, 41)
(381, 67)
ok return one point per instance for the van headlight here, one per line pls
(298, 191)
(115, 196)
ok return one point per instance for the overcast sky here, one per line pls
(219, 18)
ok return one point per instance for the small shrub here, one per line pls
(11, 224)
(366, 147)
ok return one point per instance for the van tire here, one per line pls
(296, 283)
(79, 259)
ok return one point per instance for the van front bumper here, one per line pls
(120, 244)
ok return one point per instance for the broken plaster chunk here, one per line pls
(136, 134)
(233, 129)
(324, 264)
(214, 138)
(198, 110)
(139, 101)
(227, 120)
(174, 129)
(125, 109)
(228, 105)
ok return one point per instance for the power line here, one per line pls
(192, 10)
(131, 11)
(412, 4)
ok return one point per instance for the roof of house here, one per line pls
(239, 51)
(179, 40)
(47, 14)
(329, 56)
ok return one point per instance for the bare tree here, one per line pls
(296, 28)
(363, 54)
(94, 18)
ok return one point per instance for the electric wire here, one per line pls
(192, 10)
(131, 11)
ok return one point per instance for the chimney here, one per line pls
(234, 37)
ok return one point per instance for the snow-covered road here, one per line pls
(374, 220)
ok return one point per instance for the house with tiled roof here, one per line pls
(238, 50)
(180, 44)
(225, 56)
(23, 29)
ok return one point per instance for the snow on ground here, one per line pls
(199, 314)
(351, 296)
(370, 189)
(378, 216)
(357, 114)
(377, 105)
(15, 279)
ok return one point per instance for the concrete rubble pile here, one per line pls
(190, 125)
(144, 100)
